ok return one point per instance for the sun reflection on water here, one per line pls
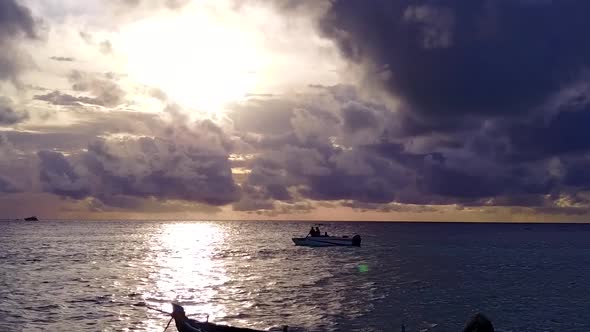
(186, 270)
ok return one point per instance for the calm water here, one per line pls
(86, 276)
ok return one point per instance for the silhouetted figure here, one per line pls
(479, 323)
(312, 231)
(326, 234)
(317, 231)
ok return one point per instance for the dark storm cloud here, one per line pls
(16, 22)
(357, 116)
(304, 157)
(363, 153)
(465, 57)
(494, 107)
(321, 172)
(182, 162)
(449, 182)
(53, 155)
(577, 173)
(565, 133)
(58, 176)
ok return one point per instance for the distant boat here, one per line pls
(33, 218)
(315, 239)
(184, 324)
(328, 241)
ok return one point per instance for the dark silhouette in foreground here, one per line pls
(184, 324)
(312, 232)
(479, 323)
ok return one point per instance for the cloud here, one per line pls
(170, 4)
(453, 58)
(16, 168)
(58, 176)
(437, 24)
(301, 154)
(8, 116)
(103, 87)
(564, 133)
(62, 58)
(269, 116)
(86, 36)
(253, 199)
(184, 163)
(16, 23)
(6, 186)
(64, 99)
(357, 116)
(485, 108)
(105, 47)
(576, 173)
(176, 4)
(8, 155)
(16, 20)
(87, 126)
(344, 147)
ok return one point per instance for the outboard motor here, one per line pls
(356, 240)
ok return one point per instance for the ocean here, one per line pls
(92, 276)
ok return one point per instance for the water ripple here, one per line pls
(88, 276)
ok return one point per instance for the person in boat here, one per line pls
(317, 231)
(312, 232)
(326, 234)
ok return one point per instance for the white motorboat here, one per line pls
(328, 241)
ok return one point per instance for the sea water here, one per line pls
(95, 276)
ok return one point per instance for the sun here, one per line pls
(201, 57)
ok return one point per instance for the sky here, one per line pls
(299, 110)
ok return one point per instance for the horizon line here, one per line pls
(299, 220)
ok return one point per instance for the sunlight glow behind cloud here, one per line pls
(200, 59)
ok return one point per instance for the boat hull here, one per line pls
(195, 326)
(327, 241)
(183, 324)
